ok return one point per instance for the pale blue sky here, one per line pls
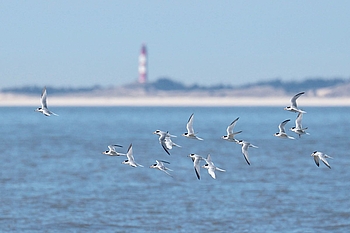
(83, 43)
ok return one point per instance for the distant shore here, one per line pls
(21, 100)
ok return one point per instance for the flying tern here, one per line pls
(130, 158)
(211, 167)
(190, 131)
(298, 129)
(320, 156)
(160, 165)
(245, 146)
(282, 132)
(196, 163)
(43, 109)
(165, 140)
(230, 134)
(112, 151)
(294, 107)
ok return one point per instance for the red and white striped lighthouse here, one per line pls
(143, 65)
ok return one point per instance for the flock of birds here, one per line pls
(167, 144)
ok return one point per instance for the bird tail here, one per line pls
(237, 132)
(221, 170)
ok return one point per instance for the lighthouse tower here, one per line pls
(143, 65)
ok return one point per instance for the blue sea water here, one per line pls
(53, 177)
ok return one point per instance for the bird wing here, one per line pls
(111, 148)
(245, 153)
(163, 161)
(231, 126)
(129, 154)
(168, 143)
(197, 167)
(208, 159)
(46, 112)
(323, 159)
(298, 121)
(163, 143)
(189, 125)
(197, 173)
(294, 99)
(317, 161)
(211, 171)
(281, 126)
(159, 164)
(43, 98)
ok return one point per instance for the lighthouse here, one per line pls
(143, 65)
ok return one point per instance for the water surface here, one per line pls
(53, 177)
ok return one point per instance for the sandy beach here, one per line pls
(21, 100)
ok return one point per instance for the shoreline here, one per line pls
(171, 101)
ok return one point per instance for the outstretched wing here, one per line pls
(168, 143)
(163, 143)
(294, 99)
(129, 153)
(111, 148)
(197, 167)
(317, 161)
(189, 125)
(211, 171)
(281, 126)
(208, 159)
(323, 159)
(43, 98)
(245, 153)
(231, 126)
(298, 121)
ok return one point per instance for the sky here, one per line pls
(84, 43)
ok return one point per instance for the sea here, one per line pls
(54, 177)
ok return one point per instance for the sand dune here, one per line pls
(21, 100)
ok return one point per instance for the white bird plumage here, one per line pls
(165, 140)
(211, 167)
(230, 134)
(43, 109)
(321, 156)
(112, 151)
(196, 163)
(298, 128)
(160, 166)
(130, 158)
(294, 107)
(245, 146)
(190, 131)
(282, 133)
